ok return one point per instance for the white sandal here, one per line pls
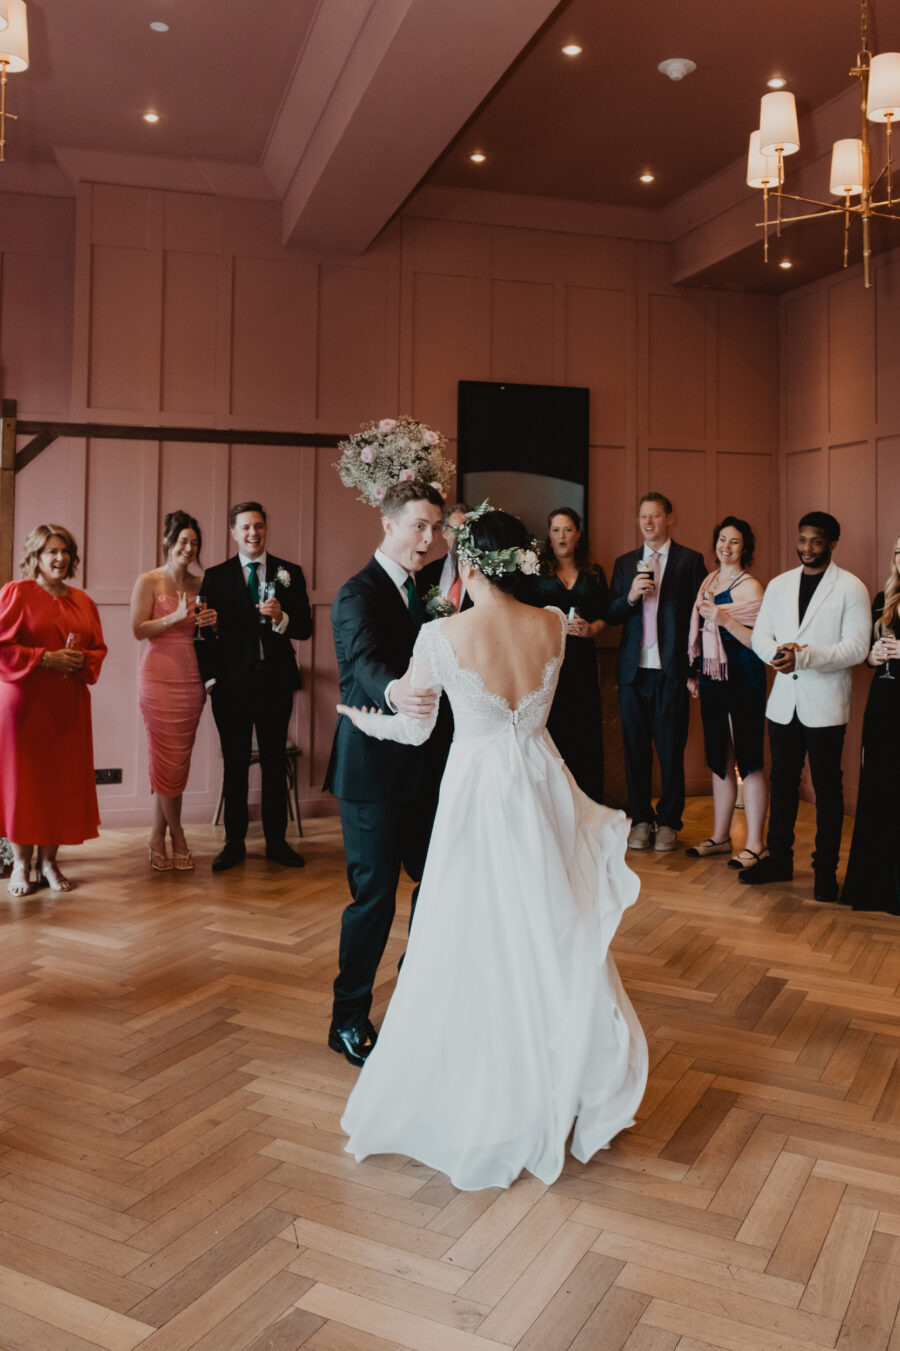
(52, 877)
(19, 885)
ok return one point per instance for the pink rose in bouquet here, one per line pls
(367, 455)
(406, 475)
(378, 491)
(387, 424)
(430, 438)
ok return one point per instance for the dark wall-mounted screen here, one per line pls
(525, 447)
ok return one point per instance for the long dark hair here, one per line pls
(748, 539)
(498, 530)
(176, 521)
(548, 557)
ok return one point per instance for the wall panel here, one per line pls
(681, 476)
(599, 355)
(807, 490)
(354, 357)
(851, 482)
(190, 284)
(851, 356)
(273, 327)
(887, 499)
(744, 489)
(805, 367)
(124, 354)
(746, 390)
(444, 337)
(522, 332)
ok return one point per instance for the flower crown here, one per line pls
(492, 562)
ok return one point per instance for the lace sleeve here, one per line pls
(398, 726)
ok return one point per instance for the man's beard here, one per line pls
(819, 565)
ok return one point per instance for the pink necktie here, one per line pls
(649, 605)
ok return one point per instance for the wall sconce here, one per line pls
(13, 56)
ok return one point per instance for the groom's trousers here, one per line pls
(379, 839)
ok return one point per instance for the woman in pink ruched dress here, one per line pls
(165, 610)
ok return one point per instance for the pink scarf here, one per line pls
(709, 637)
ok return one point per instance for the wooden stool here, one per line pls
(291, 755)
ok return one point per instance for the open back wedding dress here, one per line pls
(509, 1022)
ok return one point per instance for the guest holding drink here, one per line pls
(570, 582)
(873, 871)
(167, 610)
(51, 649)
(732, 686)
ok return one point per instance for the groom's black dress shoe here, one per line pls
(285, 855)
(355, 1042)
(228, 857)
(826, 887)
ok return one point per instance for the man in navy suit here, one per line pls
(251, 671)
(388, 792)
(654, 606)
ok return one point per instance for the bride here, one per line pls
(509, 1022)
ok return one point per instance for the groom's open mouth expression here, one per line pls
(249, 533)
(409, 536)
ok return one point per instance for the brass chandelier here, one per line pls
(851, 177)
(13, 55)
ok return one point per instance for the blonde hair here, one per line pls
(36, 543)
(885, 621)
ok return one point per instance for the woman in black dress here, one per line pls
(578, 588)
(873, 872)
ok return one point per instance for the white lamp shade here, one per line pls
(884, 87)
(846, 168)
(778, 124)
(762, 170)
(14, 42)
(4, 15)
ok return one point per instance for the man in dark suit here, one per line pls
(250, 668)
(654, 606)
(387, 792)
(443, 572)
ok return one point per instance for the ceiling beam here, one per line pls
(372, 105)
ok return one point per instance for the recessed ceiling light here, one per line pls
(151, 117)
(572, 49)
(477, 157)
(648, 178)
(160, 27)
(785, 263)
(776, 82)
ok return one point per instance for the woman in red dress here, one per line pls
(165, 606)
(51, 649)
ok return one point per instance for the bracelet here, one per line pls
(45, 658)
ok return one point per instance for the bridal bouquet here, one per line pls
(393, 450)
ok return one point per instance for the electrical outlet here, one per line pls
(107, 776)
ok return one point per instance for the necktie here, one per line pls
(253, 583)
(416, 613)
(650, 604)
(455, 591)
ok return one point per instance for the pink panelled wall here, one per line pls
(185, 310)
(840, 431)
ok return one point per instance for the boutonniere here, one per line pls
(438, 606)
(283, 577)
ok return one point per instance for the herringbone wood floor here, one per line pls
(172, 1174)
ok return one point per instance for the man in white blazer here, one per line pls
(813, 626)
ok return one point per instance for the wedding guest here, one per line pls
(578, 587)
(444, 572)
(732, 688)
(652, 597)
(873, 871)
(809, 705)
(165, 611)
(261, 603)
(51, 649)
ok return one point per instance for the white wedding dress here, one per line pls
(509, 1021)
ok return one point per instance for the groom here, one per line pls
(388, 792)
(251, 672)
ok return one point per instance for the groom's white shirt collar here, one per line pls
(396, 572)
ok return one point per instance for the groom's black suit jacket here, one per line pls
(683, 575)
(374, 636)
(230, 657)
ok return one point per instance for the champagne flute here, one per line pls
(885, 673)
(267, 593)
(199, 606)
(74, 641)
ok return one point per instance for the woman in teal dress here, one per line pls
(873, 871)
(578, 588)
